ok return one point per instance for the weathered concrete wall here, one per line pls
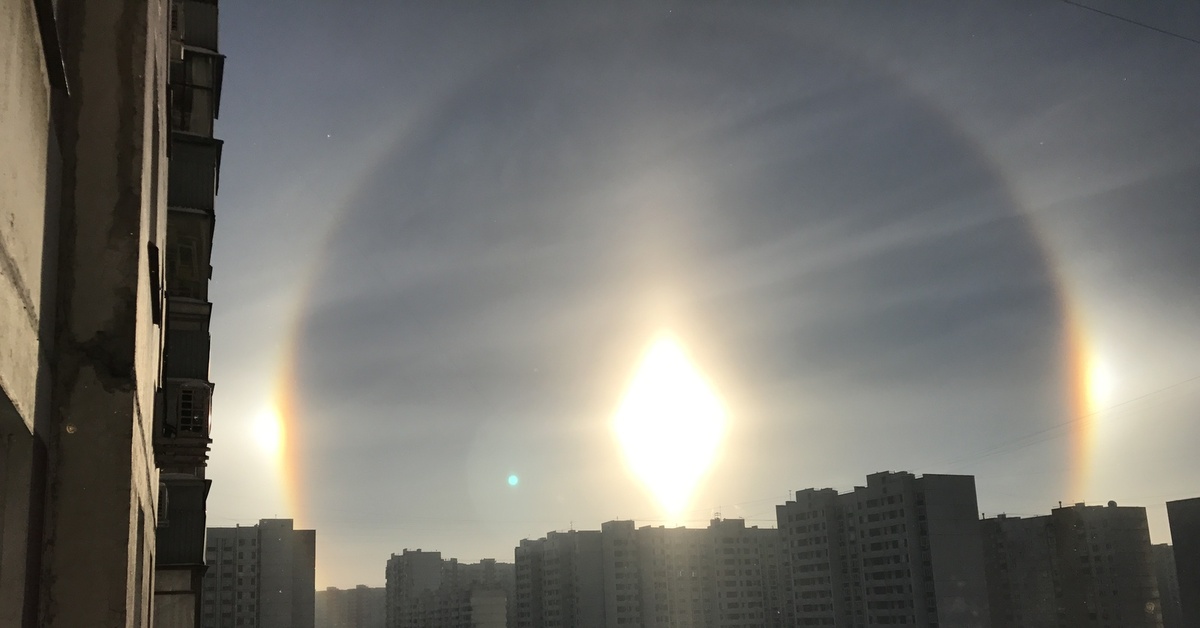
(175, 598)
(29, 171)
(100, 517)
(24, 122)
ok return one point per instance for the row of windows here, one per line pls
(822, 566)
(895, 529)
(886, 575)
(228, 543)
(884, 545)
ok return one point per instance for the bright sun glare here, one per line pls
(1100, 384)
(268, 431)
(670, 425)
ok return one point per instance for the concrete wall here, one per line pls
(24, 134)
(30, 168)
(1018, 557)
(304, 578)
(82, 186)
(956, 550)
(276, 566)
(488, 609)
(287, 575)
(175, 598)
(589, 579)
(1103, 567)
(360, 607)
(1168, 585)
(1184, 516)
(102, 484)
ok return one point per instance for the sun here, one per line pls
(1100, 384)
(669, 425)
(268, 431)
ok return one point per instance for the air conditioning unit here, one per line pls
(188, 409)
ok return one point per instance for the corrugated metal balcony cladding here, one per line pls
(187, 354)
(193, 312)
(193, 176)
(200, 24)
(180, 538)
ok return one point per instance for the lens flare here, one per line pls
(670, 425)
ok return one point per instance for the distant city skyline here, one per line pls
(944, 238)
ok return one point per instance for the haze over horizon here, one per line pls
(939, 238)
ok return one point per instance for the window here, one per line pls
(185, 275)
(193, 100)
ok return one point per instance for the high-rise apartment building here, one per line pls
(360, 607)
(1168, 585)
(425, 591)
(182, 406)
(1021, 587)
(901, 550)
(1079, 566)
(261, 576)
(746, 585)
(87, 131)
(1184, 517)
(724, 575)
(560, 580)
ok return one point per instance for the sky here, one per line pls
(937, 236)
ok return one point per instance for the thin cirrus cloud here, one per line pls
(844, 245)
(542, 225)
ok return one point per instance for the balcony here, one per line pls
(186, 353)
(192, 177)
(195, 91)
(181, 521)
(197, 23)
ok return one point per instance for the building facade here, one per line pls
(1021, 587)
(900, 550)
(426, 591)
(260, 576)
(182, 406)
(723, 575)
(1079, 566)
(360, 607)
(1168, 585)
(1184, 517)
(84, 316)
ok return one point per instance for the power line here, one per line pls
(1032, 438)
(1132, 21)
